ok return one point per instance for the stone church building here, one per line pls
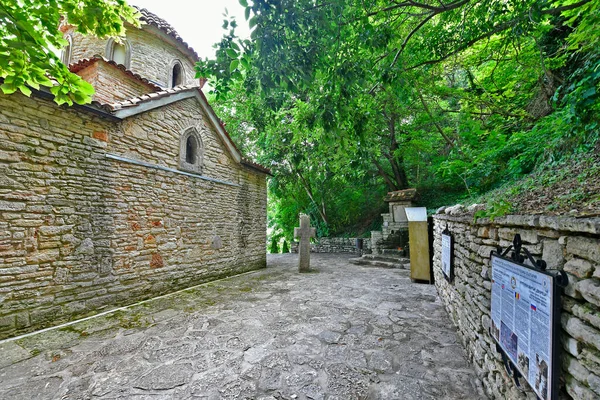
(141, 193)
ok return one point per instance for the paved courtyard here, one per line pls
(341, 332)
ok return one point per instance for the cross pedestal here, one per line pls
(305, 232)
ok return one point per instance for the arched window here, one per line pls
(65, 57)
(191, 151)
(118, 52)
(175, 74)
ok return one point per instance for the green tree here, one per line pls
(274, 248)
(354, 97)
(29, 37)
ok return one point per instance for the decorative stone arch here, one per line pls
(118, 52)
(191, 151)
(176, 74)
(67, 52)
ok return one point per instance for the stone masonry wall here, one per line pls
(80, 232)
(570, 244)
(151, 55)
(334, 245)
(112, 85)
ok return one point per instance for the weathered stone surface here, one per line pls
(305, 233)
(80, 220)
(590, 290)
(165, 377)
(217, 341)
(553, 254)
(578, 267)
(335, 245)
(584, 247)
(150, 57)
(467, 298)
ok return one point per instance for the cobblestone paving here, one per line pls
(341, 332)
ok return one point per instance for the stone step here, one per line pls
(366, 262)
(387, 257)
(393, 252)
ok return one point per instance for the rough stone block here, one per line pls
(43, 256)
(580, 331)
(54, 230)
(575, 368)
(7, 322)
(590, 290)
(553, 254)
(584, 247)
(12, 206)
(571, 345)
(571, 289)
(578, 267)
(578, 391)
(44, 316)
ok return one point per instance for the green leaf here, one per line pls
(8, 88)
(234, 64)
(243, 3)
(231, 53)
(253, 21)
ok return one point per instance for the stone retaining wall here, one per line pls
(335, 245)
(82, 232)
(569, 244)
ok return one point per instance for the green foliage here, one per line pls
(349, 99)
(285, 248)
(495, 209)
(29, 36)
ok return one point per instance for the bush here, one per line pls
(285, 248)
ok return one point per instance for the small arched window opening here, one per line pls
(65, 57)
(120, 53)
(176, 74)
(191, 151)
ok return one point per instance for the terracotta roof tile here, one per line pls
(86, 62)
(164, 26)
(149, 97)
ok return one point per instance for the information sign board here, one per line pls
(524, 313)
(447, 253)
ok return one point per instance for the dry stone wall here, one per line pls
(568, 244)
(335, 245)
(81, 232)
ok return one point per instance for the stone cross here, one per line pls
(305, 232)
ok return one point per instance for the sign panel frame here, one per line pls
(448, 255)
(525, 305)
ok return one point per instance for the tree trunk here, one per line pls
(396, 162)
(308, 189)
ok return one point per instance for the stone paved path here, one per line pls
(342, 332)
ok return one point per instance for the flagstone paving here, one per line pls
(340, 332)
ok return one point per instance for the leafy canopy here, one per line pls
(347, 98)
(29, 36)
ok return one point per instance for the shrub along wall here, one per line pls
(565, 243)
